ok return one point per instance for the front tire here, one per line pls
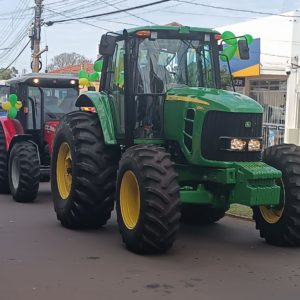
(280, 225)
(4, 187)
(147, 200)
(24, 172)
(83, 172)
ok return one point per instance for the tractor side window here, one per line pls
(34, 108)
(4, 93)
(207, 68)
(116, 90)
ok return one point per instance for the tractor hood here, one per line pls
(215, 99)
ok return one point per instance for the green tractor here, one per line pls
(166, 143)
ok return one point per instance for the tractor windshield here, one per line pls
(57, 102)
(169, 63)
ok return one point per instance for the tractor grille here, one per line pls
(223, 124)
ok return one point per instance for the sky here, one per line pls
(83, 37)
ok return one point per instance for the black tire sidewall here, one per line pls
(4, 184)
(13, 155)
(29, 171)
(62, 136)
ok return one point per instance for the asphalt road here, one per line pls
(39, 259)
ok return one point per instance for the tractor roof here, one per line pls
(183, 29)
(25, 78)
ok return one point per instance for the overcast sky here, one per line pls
(16, 15)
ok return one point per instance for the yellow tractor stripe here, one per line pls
(186, 99)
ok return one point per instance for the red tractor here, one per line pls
(26, 140)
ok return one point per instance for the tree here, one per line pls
(6, 74)
(67, 59)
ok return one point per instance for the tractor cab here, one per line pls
(143, 67)
(44, 97)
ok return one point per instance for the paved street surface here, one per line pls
(39, 259)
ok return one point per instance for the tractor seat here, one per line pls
(68, 104)
(51, 105)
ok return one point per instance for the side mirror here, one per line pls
(107, 45)
(243, 49)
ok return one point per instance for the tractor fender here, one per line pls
(22, 138)
(11, 128)
(100, 102)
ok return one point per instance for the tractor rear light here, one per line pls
(143, 33)
(90, 109)
(238, 144)
(254, 145)
(217, 37)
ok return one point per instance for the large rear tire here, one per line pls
(24, 172)
(83, 172)
(198, 214)
(147, 201)
(4, 187)
(280, 225)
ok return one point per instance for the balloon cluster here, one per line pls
(232, 45)
(12, 105)
(85, 79)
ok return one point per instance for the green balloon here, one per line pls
(228, 53)
(83, 74)
(94, 77)
(98, 65)
(13, 99)
(229, 38)
(249, 39)
(12, 113)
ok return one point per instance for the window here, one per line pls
(168, 63)
(116, 89)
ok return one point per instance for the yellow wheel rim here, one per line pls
(272, 214)
(64, 171)
(130, 201)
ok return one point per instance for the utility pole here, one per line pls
(36, 38)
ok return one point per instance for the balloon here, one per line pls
(83, 74)
(18, 105)
(249, 39)
(94, 77)
(228, 53)
(13, 99)
(98, 65)
(84, 82)
(229, 38)
(12, 113)
(6, 106)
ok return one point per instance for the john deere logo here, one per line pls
(248, 124)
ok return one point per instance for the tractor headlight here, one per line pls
(238, 144)
(36, 80)
(73, 81)
(254, 145)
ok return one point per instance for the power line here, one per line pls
(49, 23)
(130, 14)
(83, 22)
(23, 49)
(236, 9)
